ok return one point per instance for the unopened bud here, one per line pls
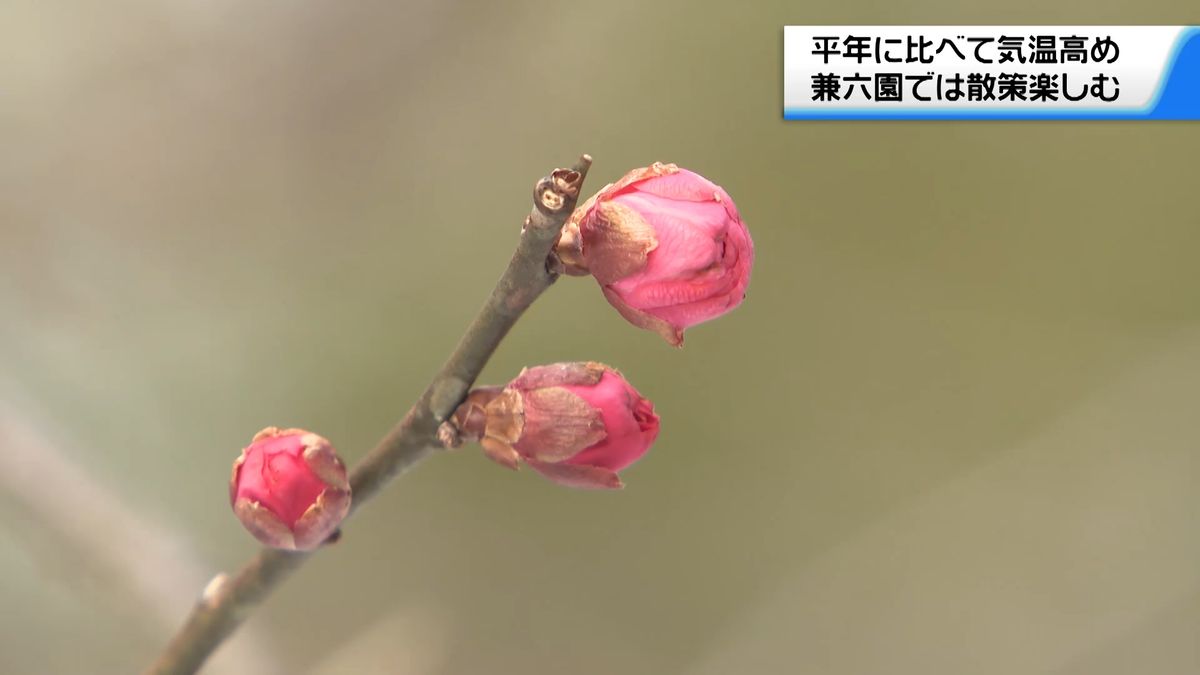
(289, 489)
(667, 246)
(577, 424)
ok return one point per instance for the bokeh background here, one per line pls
(952, 430)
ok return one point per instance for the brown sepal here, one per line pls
(505, 419)
(500, 452)
(582, 373)
(671, 334)
(321, 458)
(264, 524)
(568, 252)
(616, 242)
(470, 417)
(578, 476)
(640, 174)
(558, 424)
(321, 519)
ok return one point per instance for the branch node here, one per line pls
(448, 436)
(213, 590)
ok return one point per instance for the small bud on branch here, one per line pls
(577, 424)
(289, 489)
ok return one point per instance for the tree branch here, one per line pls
(227, 600)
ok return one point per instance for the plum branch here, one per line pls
(230, 598)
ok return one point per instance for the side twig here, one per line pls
(227, 600)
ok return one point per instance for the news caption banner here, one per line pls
(991, 72)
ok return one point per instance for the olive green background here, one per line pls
(953, 429)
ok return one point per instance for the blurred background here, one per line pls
(952, 430)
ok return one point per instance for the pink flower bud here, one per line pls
(289, 489)
(577, 424)
(667, 246)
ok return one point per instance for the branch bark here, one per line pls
(228, 600)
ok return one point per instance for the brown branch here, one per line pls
(228, 600)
